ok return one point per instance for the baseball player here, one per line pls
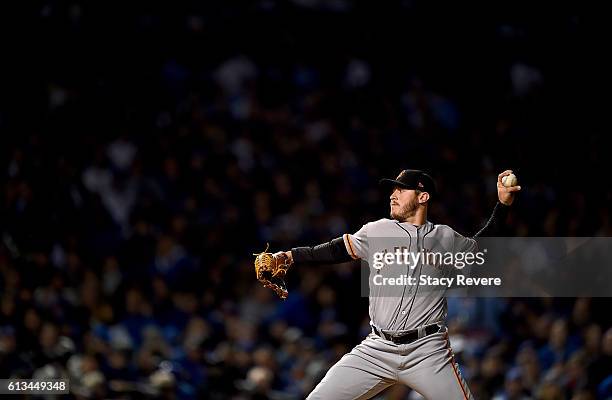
(409, 342)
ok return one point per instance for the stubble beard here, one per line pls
(409, 210)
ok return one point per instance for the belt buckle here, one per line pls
(397, 339)
(388, 337)
(400, 339)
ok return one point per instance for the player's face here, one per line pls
(404, 203)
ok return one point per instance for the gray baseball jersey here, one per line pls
(426, 364)
(396, 308)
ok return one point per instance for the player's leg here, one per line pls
(360, 374)
(439, 383)
(430, 369)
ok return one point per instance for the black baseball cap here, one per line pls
(413, 179)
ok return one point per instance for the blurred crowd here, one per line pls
(133, 196)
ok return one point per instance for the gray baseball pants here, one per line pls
(426, 365)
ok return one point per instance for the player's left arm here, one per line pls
(505, 195)
(339, 250)
(332, 252)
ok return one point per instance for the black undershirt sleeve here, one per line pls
(332, 252)
(493, 225)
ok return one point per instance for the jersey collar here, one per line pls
(413, 228)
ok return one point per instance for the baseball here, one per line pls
(509, 180)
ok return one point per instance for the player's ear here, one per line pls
(423, 197)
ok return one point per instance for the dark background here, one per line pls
(148, 150)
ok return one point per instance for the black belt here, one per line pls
(409, 336)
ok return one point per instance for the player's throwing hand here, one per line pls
(506, 193)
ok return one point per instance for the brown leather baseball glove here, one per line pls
(271, 270)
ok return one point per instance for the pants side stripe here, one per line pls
(457, 376)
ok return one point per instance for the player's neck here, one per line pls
(419, 217)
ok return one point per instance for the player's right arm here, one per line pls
(342, 249)
(505, 197)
